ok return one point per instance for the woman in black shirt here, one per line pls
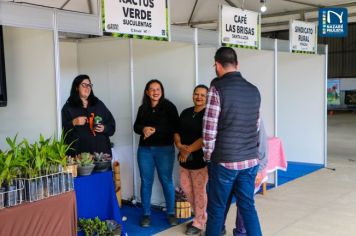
(78, 115)
(157, 121)
(193, 170)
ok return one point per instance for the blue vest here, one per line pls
(237, 134)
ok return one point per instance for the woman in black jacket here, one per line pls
(86, 120)
(156, 122)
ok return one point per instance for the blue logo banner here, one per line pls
(333, 22)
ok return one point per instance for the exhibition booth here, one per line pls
(42, 60)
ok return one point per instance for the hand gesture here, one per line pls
(148, 131)
(183, 153)
(80, 120)
(99, 128)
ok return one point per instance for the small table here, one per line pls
(276, 161)
(55, 216)
(96, 197)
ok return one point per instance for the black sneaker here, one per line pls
(192, 230)
(189, 224)
(145, 221)
(223, 232)
(172, 220)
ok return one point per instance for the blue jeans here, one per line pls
(162, 158)
(239, 229)
(221, 182)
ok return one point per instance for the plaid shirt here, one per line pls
(210, 130)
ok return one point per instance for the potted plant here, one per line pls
(102, 162)
(29, 172)
(95, 226)
(68, 163)
(87, 226)
(12, 164)
(85, 164)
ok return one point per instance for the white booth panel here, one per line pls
(69, 67)
(257, 67)
(172, 64)
(206, 69)
(249, 60)
(301, 85)
(106, 61)
(30, 77)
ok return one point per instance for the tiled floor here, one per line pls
(322, 203)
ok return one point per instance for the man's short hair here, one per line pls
(226, 56)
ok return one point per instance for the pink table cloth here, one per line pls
(276, 161)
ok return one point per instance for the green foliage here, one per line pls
(93, 227)
(23, 159)
(85, 159)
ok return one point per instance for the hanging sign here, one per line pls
(333, 22)
(239, 28)
(146, 19)
(303, 37)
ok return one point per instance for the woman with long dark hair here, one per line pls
(156, 123)
(86, 120)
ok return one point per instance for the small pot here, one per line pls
(11, 199)
(2, 198)
(85, 170)
(101, 166)
(72, 169)
(30, 190)
(40, 190)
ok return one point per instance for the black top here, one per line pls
(84, 139)
(164, 117)
(190, 129)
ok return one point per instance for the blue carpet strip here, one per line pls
(159, 218)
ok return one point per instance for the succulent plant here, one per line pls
(85, 159)
(101, 157)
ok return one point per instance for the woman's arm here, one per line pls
(67, 119)
(177, 141)
(138, 125)
(198, 144)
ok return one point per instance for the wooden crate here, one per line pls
(183, 210)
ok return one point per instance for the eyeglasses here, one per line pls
(85, 85)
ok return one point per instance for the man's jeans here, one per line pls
(221, 182)
(162, 158)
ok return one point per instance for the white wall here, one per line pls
(172, 64)
(256, 66)
(206, 69)
(69, 67)
(106, 61)
(301, 86)
(29, 61)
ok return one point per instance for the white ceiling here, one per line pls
(206, 14)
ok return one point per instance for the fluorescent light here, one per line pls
(263, 8)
